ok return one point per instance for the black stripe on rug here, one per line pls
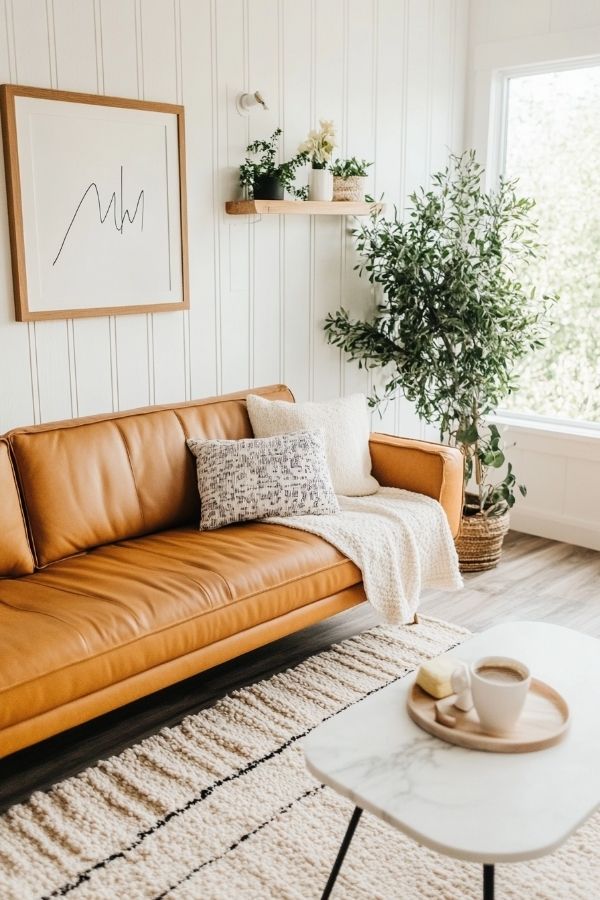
(203, 795)
(206, 792)
(280, 812)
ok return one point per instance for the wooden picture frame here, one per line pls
(96, 203)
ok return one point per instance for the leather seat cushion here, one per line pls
(97, 619)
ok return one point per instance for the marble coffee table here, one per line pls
(483, 807)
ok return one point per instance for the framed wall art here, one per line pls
(96, 203)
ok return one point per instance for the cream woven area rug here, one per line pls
(222, 807)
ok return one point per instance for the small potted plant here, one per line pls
(318, 147)
(263, 178)
(350, 178)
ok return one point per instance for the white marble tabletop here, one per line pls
(474, 805)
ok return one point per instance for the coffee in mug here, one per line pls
(499, 674)
(499, 686)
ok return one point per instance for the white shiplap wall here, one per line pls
(391, 73)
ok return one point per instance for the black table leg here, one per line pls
(342, 852)
(488, 882)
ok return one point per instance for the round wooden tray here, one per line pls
(543, 722)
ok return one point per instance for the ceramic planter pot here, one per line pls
(320, 185)
(268, 188)
(479, 543)
(351, 189)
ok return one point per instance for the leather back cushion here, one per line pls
(15, 554)
(95, 481)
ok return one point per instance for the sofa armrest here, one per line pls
(423, 467)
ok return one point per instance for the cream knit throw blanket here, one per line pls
(400, 541)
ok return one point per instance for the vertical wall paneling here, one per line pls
(77, 42)
(112, 320)
(296, 257)
(390, 74)
(442, 81)
(118, 48)
(16, 355)
(185, 318)
(393, 74)
(391, 42)
(216, 195)
(329, 25)
(418, 95)
(417, 108)
(120, 60)
(231, 51)
(250, 232)
(358, 139)
(459, 40)
(31, 34)
(160, 41)
(149, 330)
(263, 74)
(74, 34)
(281, 230)
(35, 63)
(198, 98)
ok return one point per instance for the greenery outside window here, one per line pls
(552, 145)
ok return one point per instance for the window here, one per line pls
(553, 147)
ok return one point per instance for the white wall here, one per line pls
(561, 467)
(391, 75)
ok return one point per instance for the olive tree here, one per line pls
(452, 317)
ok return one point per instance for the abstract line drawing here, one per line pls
(118, 218)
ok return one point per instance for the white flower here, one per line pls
(320, 144)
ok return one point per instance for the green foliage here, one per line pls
(452, 318)
(552, 145)
(347, 168)
(253, 169)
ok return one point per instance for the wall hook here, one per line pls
(245, 103)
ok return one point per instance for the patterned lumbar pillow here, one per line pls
(252, 478)
(345, 423)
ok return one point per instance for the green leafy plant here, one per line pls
(254, 169)
(348, 168)
(453, 318)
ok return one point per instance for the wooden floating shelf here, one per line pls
(299, 208)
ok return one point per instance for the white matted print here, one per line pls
(96, 203)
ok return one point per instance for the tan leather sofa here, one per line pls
(108, 591)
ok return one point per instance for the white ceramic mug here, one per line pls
(499, 686)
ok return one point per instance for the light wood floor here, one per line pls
(536, 579)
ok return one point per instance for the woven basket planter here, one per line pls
(479, 543)
(352, 188)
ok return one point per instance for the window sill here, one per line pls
(559, 439)
(556, 428)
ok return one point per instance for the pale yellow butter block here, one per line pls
(435, 674)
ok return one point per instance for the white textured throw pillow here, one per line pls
(345, 423)
(250, 479)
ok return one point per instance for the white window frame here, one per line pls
(494, 65)
(496, 156)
